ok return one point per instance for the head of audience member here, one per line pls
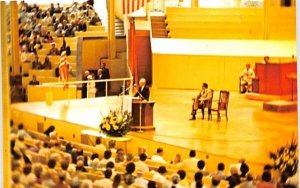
(64, 165)
(98, 140)
(69, 147)
(95, 164)
(266, 176)
(204, 86)
(130, 168)
(129, 157)
(128, 179)
(175, 179)
(234, 170)
(181, 174)
(120, 156)
(177, 159)
(151, 184)
(201, 164)
(107, 154)
(117, 180)
(52, 163)
(110, 165)
(192, 153)
(221, 167)
(249, 177)
(94, 156)
(142, 82)
(162, 170)
(111, 144)
(108, 173)
(234, 181)
(160, 151)
(21, 126)
(215, 180)
(143, 157)
(53, 45)
(198, 176)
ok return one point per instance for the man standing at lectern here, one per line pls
(143, 90)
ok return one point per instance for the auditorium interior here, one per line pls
(176, 45)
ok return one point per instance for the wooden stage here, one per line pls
(250, 132)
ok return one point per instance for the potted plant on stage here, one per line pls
(116, 123)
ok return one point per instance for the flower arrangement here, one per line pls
(116, 123)
(286, 158)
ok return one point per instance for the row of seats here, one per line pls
(89, 150)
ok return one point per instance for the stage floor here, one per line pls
(250, 132)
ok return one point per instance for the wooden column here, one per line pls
(14, 38)
(5, 100)
(111, 30)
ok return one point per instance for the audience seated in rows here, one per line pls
(65, 165)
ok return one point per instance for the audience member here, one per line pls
(117, 181)
(215, 181)
(248, 183)
(266, 181)
(201, 167)
(183, 181)
(197, 180)
(141, 164)
(177, 160)
(53, 51)
(160, 176)
(105, 182)
(191, 162)
(34, 81)
(36, 64)
(159, 156)
(47, 63)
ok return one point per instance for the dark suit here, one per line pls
(145, 93)
(100, 86)
(84, 88)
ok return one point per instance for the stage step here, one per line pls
(265, 97)
(280, 106)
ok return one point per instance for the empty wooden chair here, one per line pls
(222, 105)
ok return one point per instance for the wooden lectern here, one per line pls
(277, 78)
(142, 113)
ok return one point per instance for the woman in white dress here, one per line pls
(91, 89)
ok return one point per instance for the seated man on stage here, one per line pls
(246, 78)
(201, 99)
(143, 91)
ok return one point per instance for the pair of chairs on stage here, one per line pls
(217, 106)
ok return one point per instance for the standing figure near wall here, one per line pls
(91, 89)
